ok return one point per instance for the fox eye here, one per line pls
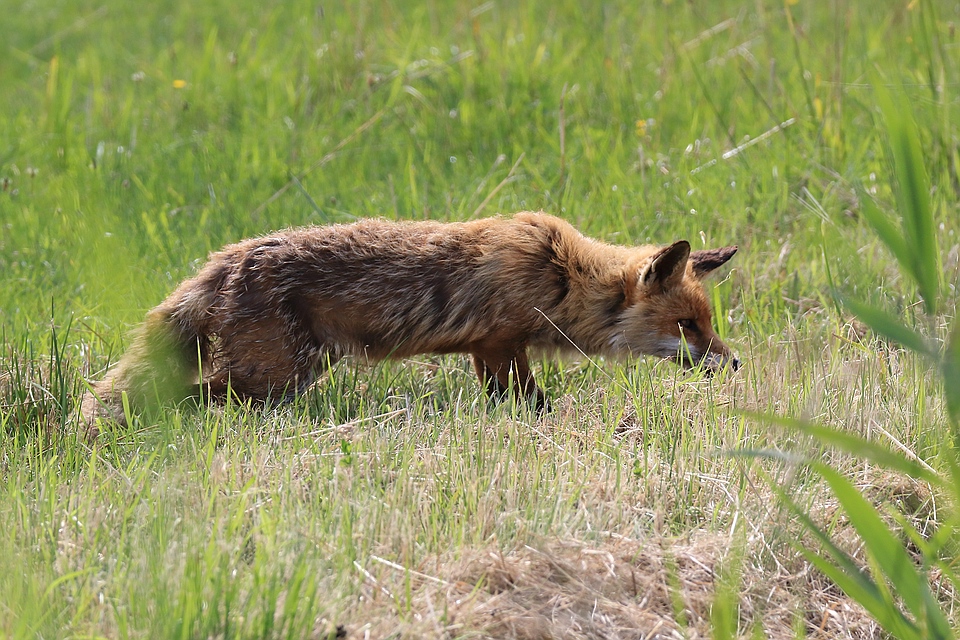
(687, 324)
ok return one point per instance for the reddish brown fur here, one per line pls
(265, 315)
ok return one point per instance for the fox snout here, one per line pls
(712, 359)
(714, 362)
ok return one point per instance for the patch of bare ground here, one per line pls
(618, 588)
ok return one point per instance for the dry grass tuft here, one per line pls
(618, 588)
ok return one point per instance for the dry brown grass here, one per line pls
(615, 588)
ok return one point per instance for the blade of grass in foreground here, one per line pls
(889, 554)
(854, 444)
(913, 199)
(951, 378)
(889, 327)
(847, 575)
(886, 229)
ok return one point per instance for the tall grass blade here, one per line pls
(889, 234)
(865, 592)
(847, 575)
(951, 377)
(913, 198)
(890, 327)
(856, 445)
(889, 554)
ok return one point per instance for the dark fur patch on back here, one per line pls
(440, 299)
(555, 268)
(562, 285)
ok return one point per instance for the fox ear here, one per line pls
(667, 266)
(707, 260)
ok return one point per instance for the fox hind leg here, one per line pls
(488, 379)
(269, 356)
(497, 371)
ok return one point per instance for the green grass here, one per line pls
(139, 137)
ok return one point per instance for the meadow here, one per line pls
(392, 501)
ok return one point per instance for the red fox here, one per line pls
(264, 316)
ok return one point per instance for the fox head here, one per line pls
(667, 313)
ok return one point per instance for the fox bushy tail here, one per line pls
(159, 367)
(163, 362)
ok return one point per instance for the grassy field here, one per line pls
(391, 501)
